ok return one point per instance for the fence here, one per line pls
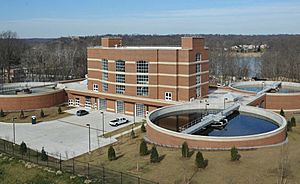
(97, 173)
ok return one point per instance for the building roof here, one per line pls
(141, 47)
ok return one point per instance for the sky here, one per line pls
(56, 18)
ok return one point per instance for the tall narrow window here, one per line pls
(104, 64)
(142, 79)
(120, 78)
(104, 76)
(88, 102)
(102, 104)
(198, 68)
(120, 66)
(142, 67)
(120, 107)
(142, 91)
(104, 87)
(198, 57)
(198, 79)
(198, 91)
(120, 89)
(140, 110)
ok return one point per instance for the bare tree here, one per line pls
(11, 49)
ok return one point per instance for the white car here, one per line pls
(118, 121)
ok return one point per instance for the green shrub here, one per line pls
(44, 156)
(185, 150)
(234, 154)
(111, 153)
(200, 161)
(42, 114)
(154, 157)
(282, 112)
(59, 110)
(143, 128)
(23, 148)
(1, 113)
(132, 134)
(289, 126)
(143, 148)
(293, 121)
(22, 114)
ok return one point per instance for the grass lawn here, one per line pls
(14, 172)
(123, 129)
(50, 114)
(256, 166)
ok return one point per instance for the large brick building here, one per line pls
(139, 79)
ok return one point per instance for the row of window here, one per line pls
(120, 89)
(102, 105)
(141, 66)
(140, 90)
(120, 78)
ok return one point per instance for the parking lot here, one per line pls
(94, 118)
(68, 137)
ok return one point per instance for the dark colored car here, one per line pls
(81, 112)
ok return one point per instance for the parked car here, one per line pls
(118, 121)
(82, 112)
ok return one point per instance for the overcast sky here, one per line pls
(56, 18)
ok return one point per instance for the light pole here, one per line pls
(102, 123)
(89, 126)
(206, 104)
(225, 102)
(14, 129)
(134, 114)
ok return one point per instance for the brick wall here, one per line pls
(174, 141)
(30, 102)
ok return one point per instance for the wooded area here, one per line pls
(65, 58)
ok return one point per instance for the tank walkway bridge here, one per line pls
(200, 123)
(273, 86)
(261, 93)
(7, 89)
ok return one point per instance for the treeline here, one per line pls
(41, 60)
(282, 60)
(65, 58)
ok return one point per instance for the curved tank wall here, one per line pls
(164, 137)
(287, 98)
(39, 98)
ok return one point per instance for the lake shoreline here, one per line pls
(248, 54)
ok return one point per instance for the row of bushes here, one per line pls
(154, 156)
(23, 150)
(290, 123)
(22, 115)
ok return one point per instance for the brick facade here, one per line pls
(170, 69)
(33, 101)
